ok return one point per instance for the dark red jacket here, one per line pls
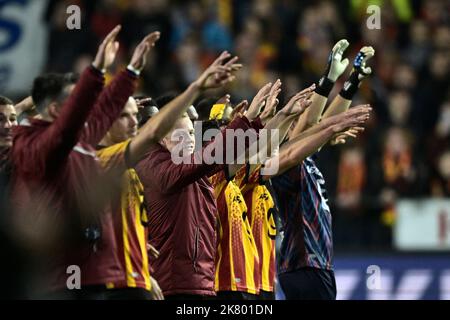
(56, 179)
(182, 220)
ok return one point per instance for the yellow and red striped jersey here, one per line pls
(130, 219)
(261, 210)
(237, 256)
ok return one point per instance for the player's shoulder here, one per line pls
(107, 151)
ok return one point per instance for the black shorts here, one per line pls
(266, 295)
(235, 295)
(308, 284)
(128, 294)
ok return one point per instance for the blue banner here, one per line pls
(412, 277)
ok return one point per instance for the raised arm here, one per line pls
(335, 68)
(163, 173)
(330, 121)
(360, 71)
(277, 127)
(265, 98)
(25, 105)
(114, 97)
(283, 120)
(297, 150)
(218, 74)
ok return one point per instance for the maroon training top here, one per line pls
(57, 182)
(182, 219)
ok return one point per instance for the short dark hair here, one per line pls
(147, 109)
(51, 87)
(4, 101)
(164, 99)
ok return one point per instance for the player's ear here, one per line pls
(53, 110)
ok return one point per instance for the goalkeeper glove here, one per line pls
(335, 68)
(360, 71)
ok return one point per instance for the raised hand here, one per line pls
(299, 102)
(107, 50)
(141, 103)
(336, 66)
(359, 64)
(219, 73)
(224, 100)
(360, 71)
(258, 102)
(271, 104)
(139, 58)
(239, 109)
(354, 117)
(341, 138)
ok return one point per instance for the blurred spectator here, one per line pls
(440, 181)
(352, 173)
(438, 154)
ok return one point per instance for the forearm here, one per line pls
(177, 176)
(312, 115)
(359, 72)
(109, 105)
(274, 136)
(310, 131)
(24, 105)
(298, 151)
(337, 106)
(275, 132)
(160, 125)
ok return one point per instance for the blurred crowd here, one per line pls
(404, 152)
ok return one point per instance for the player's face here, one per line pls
(8, 119)
(182, 137)
(126, 126)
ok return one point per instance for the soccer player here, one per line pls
(124, 140)
(8, 119)
(305, 267)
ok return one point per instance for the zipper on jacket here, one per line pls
(196, 242)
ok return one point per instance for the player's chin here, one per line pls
(132, 133)
(189, 149)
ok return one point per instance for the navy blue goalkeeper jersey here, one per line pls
(305, 218)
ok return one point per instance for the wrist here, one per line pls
(133, 70)
(332, 130)
(195, 86)
(250, 117)
(324, 87)
(99, 69)
(283, 115)
(328, 122)
(351, 86)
